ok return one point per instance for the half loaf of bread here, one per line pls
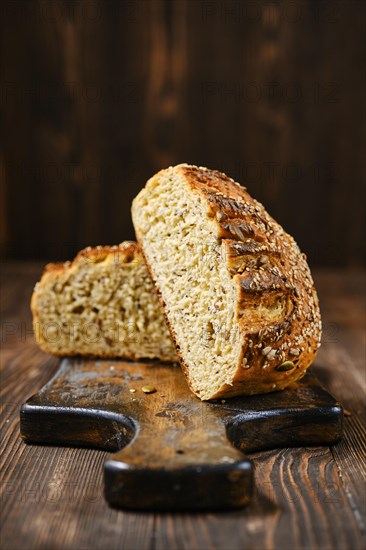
(101, 304)
(236, 290)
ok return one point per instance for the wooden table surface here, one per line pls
(52, 498)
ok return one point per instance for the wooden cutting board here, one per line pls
(173, 451)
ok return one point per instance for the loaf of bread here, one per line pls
(101, 304)
(236, 290)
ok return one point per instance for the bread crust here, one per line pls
(126, 252)
(122, 253)
(267, 267)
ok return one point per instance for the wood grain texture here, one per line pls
(306, 498)
(97, 96)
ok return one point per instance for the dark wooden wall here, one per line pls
(98, 95)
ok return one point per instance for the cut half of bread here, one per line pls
(236, 290)
(102, 304)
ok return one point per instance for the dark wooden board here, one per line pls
(171, 446)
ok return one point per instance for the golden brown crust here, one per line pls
(268, 269)
(267, 265)
(125, 252)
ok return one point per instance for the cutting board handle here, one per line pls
(167, 467)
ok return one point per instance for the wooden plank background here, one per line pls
(97, 95)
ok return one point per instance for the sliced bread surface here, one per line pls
(237, 292)
(102, 304)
